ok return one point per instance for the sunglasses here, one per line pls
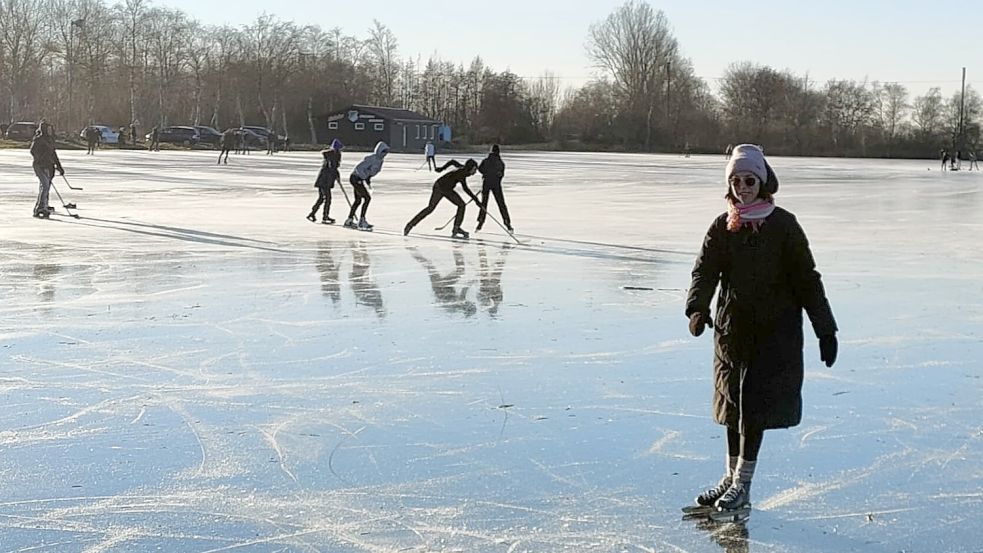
(749, 181)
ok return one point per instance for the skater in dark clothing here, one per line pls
(45, 164)
(121, 137)
(972, 161)
(228, 143)
(492, 170)
(133, 134)
(945, 159)
(154, 139)
(430, 152)
(271, 144)
(361, 180)
(325, 181)
(443, 187)
(758, 256)
(92, 136)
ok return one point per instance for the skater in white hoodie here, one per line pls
(361, 181)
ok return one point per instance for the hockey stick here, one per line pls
(70, 184)
(442, 227)
(63, 204)
(342, 187)
(499, 224)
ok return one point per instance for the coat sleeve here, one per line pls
(706, 272)
(807, 282)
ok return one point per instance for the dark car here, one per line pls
(267, 135)
(23, 130)
(253, 140)
(208, 135)
(186, 136)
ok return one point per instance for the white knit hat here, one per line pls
(747, 158)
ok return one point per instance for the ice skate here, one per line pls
(363, 224)
(327, 221)
(460, 233)
(734, 505)
(407, 229)
(705, 502)
(311, 217)
(349, 223)
(478, 228)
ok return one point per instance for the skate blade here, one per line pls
(736, 515)
(697, 510)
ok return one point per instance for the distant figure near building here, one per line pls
(430, 151)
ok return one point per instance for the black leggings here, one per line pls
(435, 198)
(324, 196)
(361, 193)
(496, 189)
(744, 445)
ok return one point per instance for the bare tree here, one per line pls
(382, 46)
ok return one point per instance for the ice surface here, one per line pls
(193, 366)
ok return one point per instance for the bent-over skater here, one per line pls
(361, 180)
(443, 187)
(45, 164)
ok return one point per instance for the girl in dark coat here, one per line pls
(325, 181)
(444, 188)
(492, 170)
(759, 256)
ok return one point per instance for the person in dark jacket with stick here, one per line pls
(326, 178)
(45, 164)
(443, 187)
(492, 170)
(759, 257)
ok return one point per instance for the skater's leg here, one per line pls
(326, 196)
(365, 204)
(484, 206)
(44, 185)
(456, 200)
(738, 496)
(435, 197)
(502, 208)
(357, 190)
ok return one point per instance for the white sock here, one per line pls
(745, 471)
(731, 466)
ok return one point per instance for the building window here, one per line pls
(379, 126)
(418, 132)
(433, 132)
(359, 126)
(333, 125)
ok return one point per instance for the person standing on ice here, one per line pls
(759, 256)
(430, 152)
(325, 181)
(45, 164)
(945, 158)
(361, 180)
(492, 170)
(443, 187)
(228, 143)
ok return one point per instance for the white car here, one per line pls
(109, 136)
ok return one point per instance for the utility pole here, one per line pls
(962, 112)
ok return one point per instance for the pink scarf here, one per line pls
(752, 214)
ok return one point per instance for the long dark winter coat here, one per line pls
(766, 278)
(492, 169)
(329, 169)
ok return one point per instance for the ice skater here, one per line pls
(326, 178)
(430, 152)
(443, 187)
(361, 180)
(972, 161)
(155, 139)
(759, 256)
(228, 143)
(92, 135)
(492, 170)
(45, 164)
(945, 158)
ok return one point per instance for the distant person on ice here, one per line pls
(945, 158)
(492, 170)
(361, 180)
(443, 187)
(228, 143)
(325, 181)
(45, 164)
(92, 136)
(972, 161)
(758, 256)
(155, 139)
(431, 153)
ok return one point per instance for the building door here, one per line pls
(404, 137)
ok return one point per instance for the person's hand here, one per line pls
(828, 347)
(61, 171)
(698, 322)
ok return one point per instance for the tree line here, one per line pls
(75, 62)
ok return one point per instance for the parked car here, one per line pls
(253, 140)
(267, 135)
(109, 136)
(22, 130)
(186, 136)
(208, 135)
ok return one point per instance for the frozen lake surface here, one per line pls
(193, 366)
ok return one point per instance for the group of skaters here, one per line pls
(953, 161)
(492, 170)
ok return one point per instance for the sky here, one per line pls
(887, 41)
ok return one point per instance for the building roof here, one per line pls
(396, 114)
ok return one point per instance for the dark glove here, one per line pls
(61, 171)
(699, 321)
(827, 349)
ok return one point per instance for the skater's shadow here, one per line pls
(329, 269)
(178, 233)
(490, 294)
(731, 537)
(363, 283)
(43, 275)
(450, 293)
